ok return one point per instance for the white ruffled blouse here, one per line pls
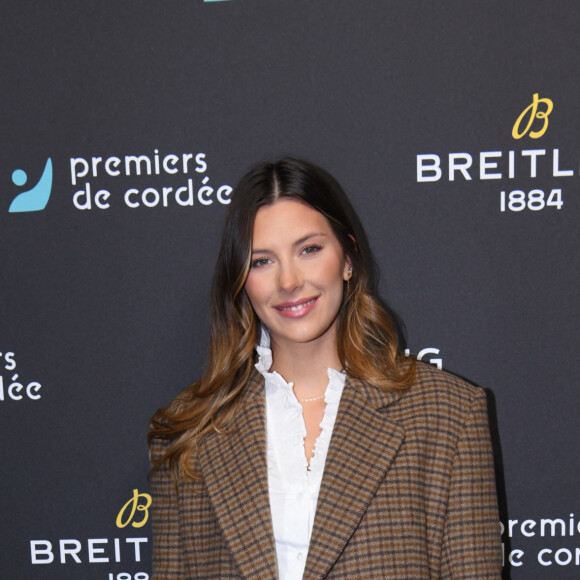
(293, 485)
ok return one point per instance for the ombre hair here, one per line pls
(369, 338)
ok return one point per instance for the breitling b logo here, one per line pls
(531, 113)
(134, 505)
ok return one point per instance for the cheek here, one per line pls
(331, 274)
(254, 289)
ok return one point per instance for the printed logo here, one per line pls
(531, 112)
(500, 165)
(134, 506)
(193, 188)
(35, 198)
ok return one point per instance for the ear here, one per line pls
(347, 272)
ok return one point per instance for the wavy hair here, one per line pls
(369, 337)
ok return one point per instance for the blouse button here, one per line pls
(299, 495)
(299, 556)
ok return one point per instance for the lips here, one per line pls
(296, 308)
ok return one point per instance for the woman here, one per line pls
(312, 448)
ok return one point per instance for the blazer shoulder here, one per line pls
(444, 383)
(440, 398)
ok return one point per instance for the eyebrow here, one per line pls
(296, 243)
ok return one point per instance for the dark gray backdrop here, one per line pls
(106, 309)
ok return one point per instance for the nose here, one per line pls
(289, 277)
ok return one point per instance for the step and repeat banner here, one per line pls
(454, 128)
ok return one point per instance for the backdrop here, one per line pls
(452, 125)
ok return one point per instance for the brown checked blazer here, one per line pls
(408, 492)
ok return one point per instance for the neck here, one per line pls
(306, 364)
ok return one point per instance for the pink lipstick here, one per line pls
(297, 308)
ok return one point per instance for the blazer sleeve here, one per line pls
(472, 541)
(167, 554)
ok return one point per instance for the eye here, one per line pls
(259, 262)
(312, 249)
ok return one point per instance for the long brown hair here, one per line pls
(369, 336)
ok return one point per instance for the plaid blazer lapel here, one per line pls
(363, 445)
(234, 468)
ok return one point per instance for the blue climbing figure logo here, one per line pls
(36, 198)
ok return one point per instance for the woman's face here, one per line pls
(298, 267)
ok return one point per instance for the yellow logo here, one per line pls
(134, 504)
(532, 113)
